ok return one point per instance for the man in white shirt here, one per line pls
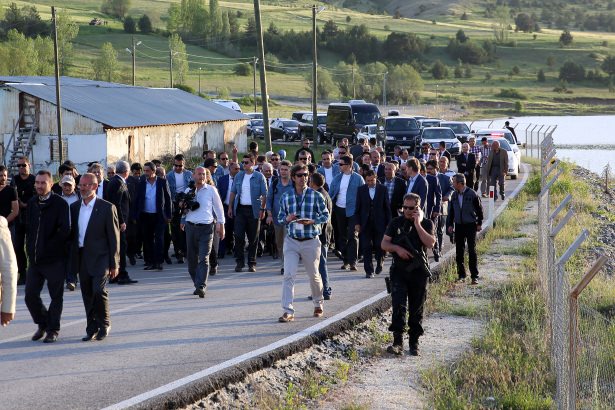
(199, 224)
(97, 169)
(327, 167)
(8, 274)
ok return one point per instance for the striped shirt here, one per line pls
(484, 151)
(390, 185)
(477, 153)
(309, 205)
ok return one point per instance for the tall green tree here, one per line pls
(502, 22)
(215, 18)
(324, 84)
(45, 55)
(404, 85)
(116, 8)
(145, 24)
(21, 54)
(179, 58)
(105, 67)
(67, 32)
(348, 83)
(608, 65)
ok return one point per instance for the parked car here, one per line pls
(345, 120)
(433, 135)
(228, 104)
(298, 115)
(500, 133)
(429, 122)
(461, 129)
(398, 130)
(306, 127)
(255, 115)
(284, 129)
(256, 129)
(514, 165)
(95, 22)
(368, 131)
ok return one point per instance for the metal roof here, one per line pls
(120, 106)
(63, 81)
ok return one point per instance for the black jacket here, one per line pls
(117, 192)
(164, 206)
(379, 208)
(48, 229)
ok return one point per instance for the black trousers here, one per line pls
(228, 243)
(95, 299)
(123, 250)
(246, 224)
(477, 181)
(19, 243)
(463, 233)
(53, 273)
(408, 294)
(470, 178)
(440, 224)
(153, 238)
(134, 238)
(346, 240)
(370, 240)
(178, 236)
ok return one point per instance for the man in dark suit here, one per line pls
(95, 233)
(224, 189)
(417, 184)
(133, 232)
(396, 188)
(120, 197)
(466, 164)
(372, 216)
(377, 166)
(153, 211)
(442, 151)
(434, 198)
(103, 187)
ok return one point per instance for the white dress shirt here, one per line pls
(341, 197)
(228, 191)
(246, 197)
(180, 185)
(99, 191)
(328, 175)
(372, 192)
(210, 209)
(84, 218)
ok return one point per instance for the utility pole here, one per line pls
(254, 76)
(171, 66)
(134, 62)
(261, 57)
(314, 80)
(54, 17)
(384, 89)
(353, 87)
(200, 68)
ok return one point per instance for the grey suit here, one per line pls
(99, 254)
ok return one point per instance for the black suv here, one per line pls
(306, 127)
(345, 120)
(398, 130)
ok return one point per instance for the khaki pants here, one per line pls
(309, 253)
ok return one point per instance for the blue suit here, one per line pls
(434, 195)
(420, 188)
(446, 186)
(356, 181)
(346, 240)
(373, 215)
(229, 240)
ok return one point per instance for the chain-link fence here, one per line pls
(582, 340)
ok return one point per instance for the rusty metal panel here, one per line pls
(9, 109)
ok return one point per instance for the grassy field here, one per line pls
(530, 55)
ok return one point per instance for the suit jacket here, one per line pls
(355, 182)
(117, 192)
(101, 246)
(445, 154)
(466, 163)
(434, 195)
(380, 173)
(379, 207)
(105, 185)
(186, 175)
(446, 186)
(397, 200)
(503, 161)
(420, 188)
(223, 186)
(164, 207)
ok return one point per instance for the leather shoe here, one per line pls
(251, 268)
(168, 261)
(353, 267)
(318, 312)
(38, 335)
(345, 267)
(378, 269)
(103, 333)
(213, 270)
(88, 337)
(70, 286)
(126, 281)
(200, 293)
(239, 267)
(369, 275)
(114, 280)
(180, 259)
(132, 260)
(51, 337)
(286, 317)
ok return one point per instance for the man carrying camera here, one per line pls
(407, 238)
(203, 211)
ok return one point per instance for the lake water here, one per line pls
(588, 141)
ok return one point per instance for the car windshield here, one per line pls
(322, 120)
(430, 123)
(401, 124)
(457, 128)
(438, 134)
(507, 135)
(503, 143)
(256, 123)
(291, 124)
(366, 117)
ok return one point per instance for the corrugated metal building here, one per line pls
(107, 122)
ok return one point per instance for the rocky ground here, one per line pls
(353, 371)
(605, 214)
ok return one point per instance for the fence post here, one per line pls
(526, 129)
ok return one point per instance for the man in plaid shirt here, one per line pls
(475, 149)
(302, 211)
(485, 150)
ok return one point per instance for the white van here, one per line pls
(228, 104)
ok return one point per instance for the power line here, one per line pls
(198, 56)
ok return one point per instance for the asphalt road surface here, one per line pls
(162, 333)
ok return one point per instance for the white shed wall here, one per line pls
(9, 110)
(72, 124)
(82, 149)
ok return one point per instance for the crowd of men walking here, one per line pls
(85, 229)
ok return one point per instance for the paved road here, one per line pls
(161, 333)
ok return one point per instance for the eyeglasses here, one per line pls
(22, 165)
(275, 159)
(409, 208)
(178, 165)
(303, 175)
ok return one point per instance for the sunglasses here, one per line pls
(246, 162)
(302, 158)
(409, 208)
(303, 175)
(275, 159)
(342, 164)
(178, 165)
(432, 153)
(22, 165)
(223, 159)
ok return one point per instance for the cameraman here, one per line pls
(407, 238)
(201, 214)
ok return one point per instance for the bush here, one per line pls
(130, 26)
(458, 72)
(243, 69)
(518, 106)
(540, 77)
(571, 72)
(566, 38)
(185, 88)
(145, 24)
(511, 93)
(439, 70)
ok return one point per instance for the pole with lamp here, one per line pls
(254, 78)
(133, 52)
(315, 11)
(200, 68)
(263, 74)
(384, 89)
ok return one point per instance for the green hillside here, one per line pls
(516, 65)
